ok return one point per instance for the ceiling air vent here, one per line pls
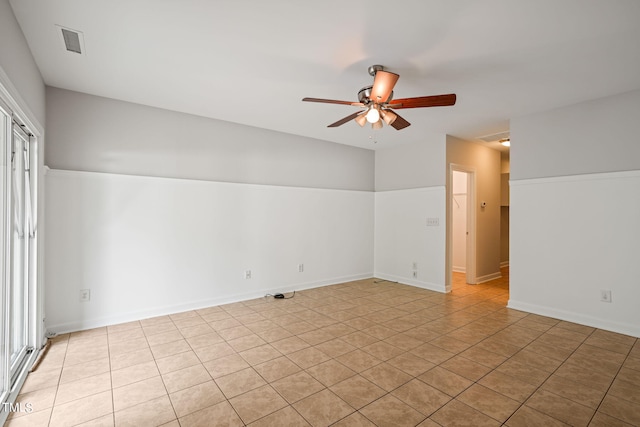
(73, 40)
(494, 137)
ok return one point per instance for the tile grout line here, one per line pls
(113, 402)
(446, 309)
(606, 393)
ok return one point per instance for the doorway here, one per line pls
(462, 219)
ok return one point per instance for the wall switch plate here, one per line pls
(300, 268)
(247, 274)
(605, 295)
(433, 222)
(85, 295)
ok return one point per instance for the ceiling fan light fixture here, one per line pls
(361, 119)
(373, 115)
(388, 116)
(377, 102)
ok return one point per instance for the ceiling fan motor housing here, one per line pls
(364, 95)
(377, 108)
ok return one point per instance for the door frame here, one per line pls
(471, 224)
(16, 110)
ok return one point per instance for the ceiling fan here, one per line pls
(378, 102)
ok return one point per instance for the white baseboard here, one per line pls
(459, 269)
(595, 322)
(488, 277)
(504, 264)
(412, 282)
(64, 328)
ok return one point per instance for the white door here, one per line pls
(461, 239)
(459, 221)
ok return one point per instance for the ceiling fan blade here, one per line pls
(400, 123)
(333, 101)
(345, 120)
(424, 101)
(383, 85)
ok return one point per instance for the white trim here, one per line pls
(12, 395)
(504, 264)
(457, 269)
(576, 178)
(412, 282)
(488, 278)
(10, 95)
(20, 110)
(563, 281)
(595, 322)
(161, 311)
(435, 188)
(63, 172)
(470, 269)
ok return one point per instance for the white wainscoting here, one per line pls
(402, 236)
(572, 237)
(151, 246)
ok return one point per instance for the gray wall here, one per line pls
(599, 136)
(91, 133)
(574, 225)
(19, 66)
(412, 166)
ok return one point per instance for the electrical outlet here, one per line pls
(415, 274)
(300, 268)
(85, 295)
(605, 295)
(247, 274)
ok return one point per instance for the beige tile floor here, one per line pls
(355, 354)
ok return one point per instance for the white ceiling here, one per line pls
(252, 61)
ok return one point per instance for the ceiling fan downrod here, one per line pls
(373, 69)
